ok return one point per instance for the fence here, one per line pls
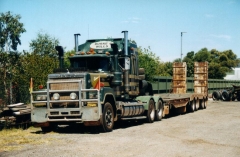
(163, 84)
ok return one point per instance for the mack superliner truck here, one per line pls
(103, 84)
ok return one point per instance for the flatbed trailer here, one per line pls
(179, 100)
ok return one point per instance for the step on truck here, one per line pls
(103, 84)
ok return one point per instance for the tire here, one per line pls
(204, 103)
(151, 112)
(48, 128)
(197, 104)
(225, 95)
(201, 103)
(159, 111)
(192, 106)
(215, 95)
(107, 118)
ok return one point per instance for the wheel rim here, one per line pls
(152, 114)
(160, 111)
(205, 103)
(108, 118)
(197, 104)
(193, 105)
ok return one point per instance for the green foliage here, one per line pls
(151, 63)
(34, 66)
(168, 69)
(202, 55)
(219, 62)
(66, 59)
(44, 45)
(37, 67)
(8, 67)
(10, 31)
(189, 59)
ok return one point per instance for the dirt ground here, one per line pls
(214, 131)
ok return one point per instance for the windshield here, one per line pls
(91, 63)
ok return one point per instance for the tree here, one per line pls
(44, 45)
(66, 60)
(189, 59)
(219, 62)
(37, 64)
(10, 31)
(202, 55)
(151, 63)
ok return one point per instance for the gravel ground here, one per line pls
(214, 131)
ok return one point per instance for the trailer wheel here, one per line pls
(159, 111)
(204, 103)
(201, 103)
(151, 112)
(196, 104)
(192, 106)
(107, 117)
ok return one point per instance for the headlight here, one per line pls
(56, 96)
(41, 97)
(73, 96)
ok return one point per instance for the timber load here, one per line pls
(15, 115)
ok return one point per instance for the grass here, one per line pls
(15, 139)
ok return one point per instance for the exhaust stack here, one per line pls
(127, 62)
(76, 41)
(60, 55)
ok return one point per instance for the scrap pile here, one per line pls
(17, 115)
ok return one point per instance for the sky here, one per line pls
(211, 24)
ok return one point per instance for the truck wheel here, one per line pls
(204, 103)
(107, 117)
(48, 128)
(159, 111)
(192, 106)
(151, 112)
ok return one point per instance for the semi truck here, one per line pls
(104, 84)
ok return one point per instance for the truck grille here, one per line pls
(65, 95)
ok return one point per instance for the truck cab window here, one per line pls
(91, 63)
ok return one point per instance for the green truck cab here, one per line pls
(104, 84)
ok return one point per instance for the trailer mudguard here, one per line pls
(145, 100)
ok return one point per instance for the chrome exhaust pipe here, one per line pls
(127, 62)
(76, 41)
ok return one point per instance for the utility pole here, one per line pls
(181, 45)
